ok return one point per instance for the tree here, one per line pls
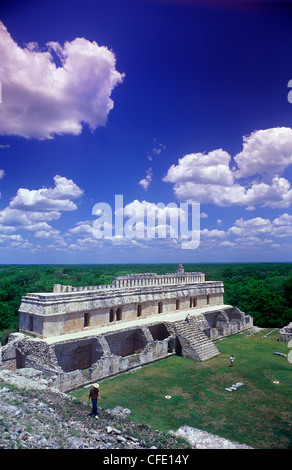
(288, 291)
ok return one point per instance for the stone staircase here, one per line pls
(194, 342)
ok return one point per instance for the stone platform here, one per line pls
(77, 359)
(79, 335)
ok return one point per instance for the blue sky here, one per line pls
(158, 101)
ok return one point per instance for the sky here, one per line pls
(145, 131)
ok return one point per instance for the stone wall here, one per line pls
(285, 334)
(73, 363)
(76, 362)
(46, 315)
(226, 322)
(140, 280)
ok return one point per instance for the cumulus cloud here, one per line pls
(82, 228)
(204, 178)
(148, 224)
(250, 227)
(202, 168)
(140, 221)
(265, 152)
(213, 233)
(279, 227)
(45, 234)
(12, 241)
(48, 199)
(214, 178)
(12, 219)
(31, 210)
(284, 219)
(41, 99)
(247, 236)
(149, 210)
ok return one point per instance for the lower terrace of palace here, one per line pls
(140, 321)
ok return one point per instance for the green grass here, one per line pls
(258, 414)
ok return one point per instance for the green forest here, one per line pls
(262, 290)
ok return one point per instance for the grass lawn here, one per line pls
(258, 414)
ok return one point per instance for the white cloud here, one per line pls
(14, 238)
(14, 218)
(208, 178)
(200, 168)
(247, 236)
(250, 227)
(228, 244)
(243, 237)
(209, 193)
(265, 152)
(48, 199)
(277, 194)
(150, 210)
(37, 200)
(31, 210)
(143, 224)
(83, 228)
(6, 228)
(64, 188)
(51, 233)
(279, 227)
(40, 99)
(42, 216)
(145, 182)
(8, 242)
(213, 233)
(204, 178)
(284, 219)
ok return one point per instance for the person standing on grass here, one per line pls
(94, 394)
(231, 360)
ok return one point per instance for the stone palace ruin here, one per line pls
(77, 335)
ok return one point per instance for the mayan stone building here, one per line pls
(82, 334)
(74, 309)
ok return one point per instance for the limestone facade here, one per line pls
(73, 362)
(72, 309)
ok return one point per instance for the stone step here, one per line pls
(194, 341)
